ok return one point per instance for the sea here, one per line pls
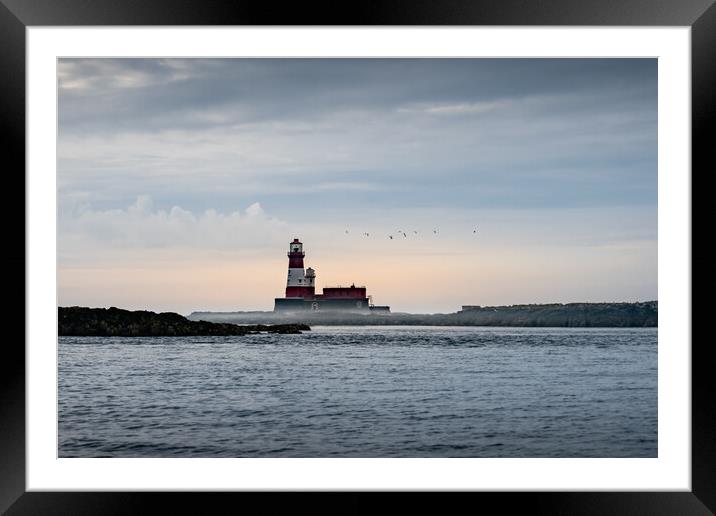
(362, 391)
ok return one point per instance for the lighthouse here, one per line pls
(300, 283)
(301, 291)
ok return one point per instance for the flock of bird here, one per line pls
(405, 234)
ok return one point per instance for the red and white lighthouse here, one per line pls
(299, 283)
(301, 291)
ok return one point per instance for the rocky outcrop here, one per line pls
(579, 315)
(114, 322)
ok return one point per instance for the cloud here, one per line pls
(141, 226)
(465, 108)
(98, 77)
(123, 94)
(537, 150)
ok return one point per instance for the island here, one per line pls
(570, 315)
(114, 322)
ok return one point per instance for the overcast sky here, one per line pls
(181, 181)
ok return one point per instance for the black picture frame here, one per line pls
(16, 15)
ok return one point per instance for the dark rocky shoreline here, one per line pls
(80, 321)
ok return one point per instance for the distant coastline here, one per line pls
(81, 321)
(570, 315)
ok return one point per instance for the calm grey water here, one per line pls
(363, 392)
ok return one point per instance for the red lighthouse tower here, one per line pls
(299, 284)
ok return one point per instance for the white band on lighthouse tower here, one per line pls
(296, 278)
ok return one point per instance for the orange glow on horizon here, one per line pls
(191, 281)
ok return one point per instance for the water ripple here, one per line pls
(363, 392)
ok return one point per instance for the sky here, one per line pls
(182, 181)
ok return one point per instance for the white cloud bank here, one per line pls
(141, 226)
